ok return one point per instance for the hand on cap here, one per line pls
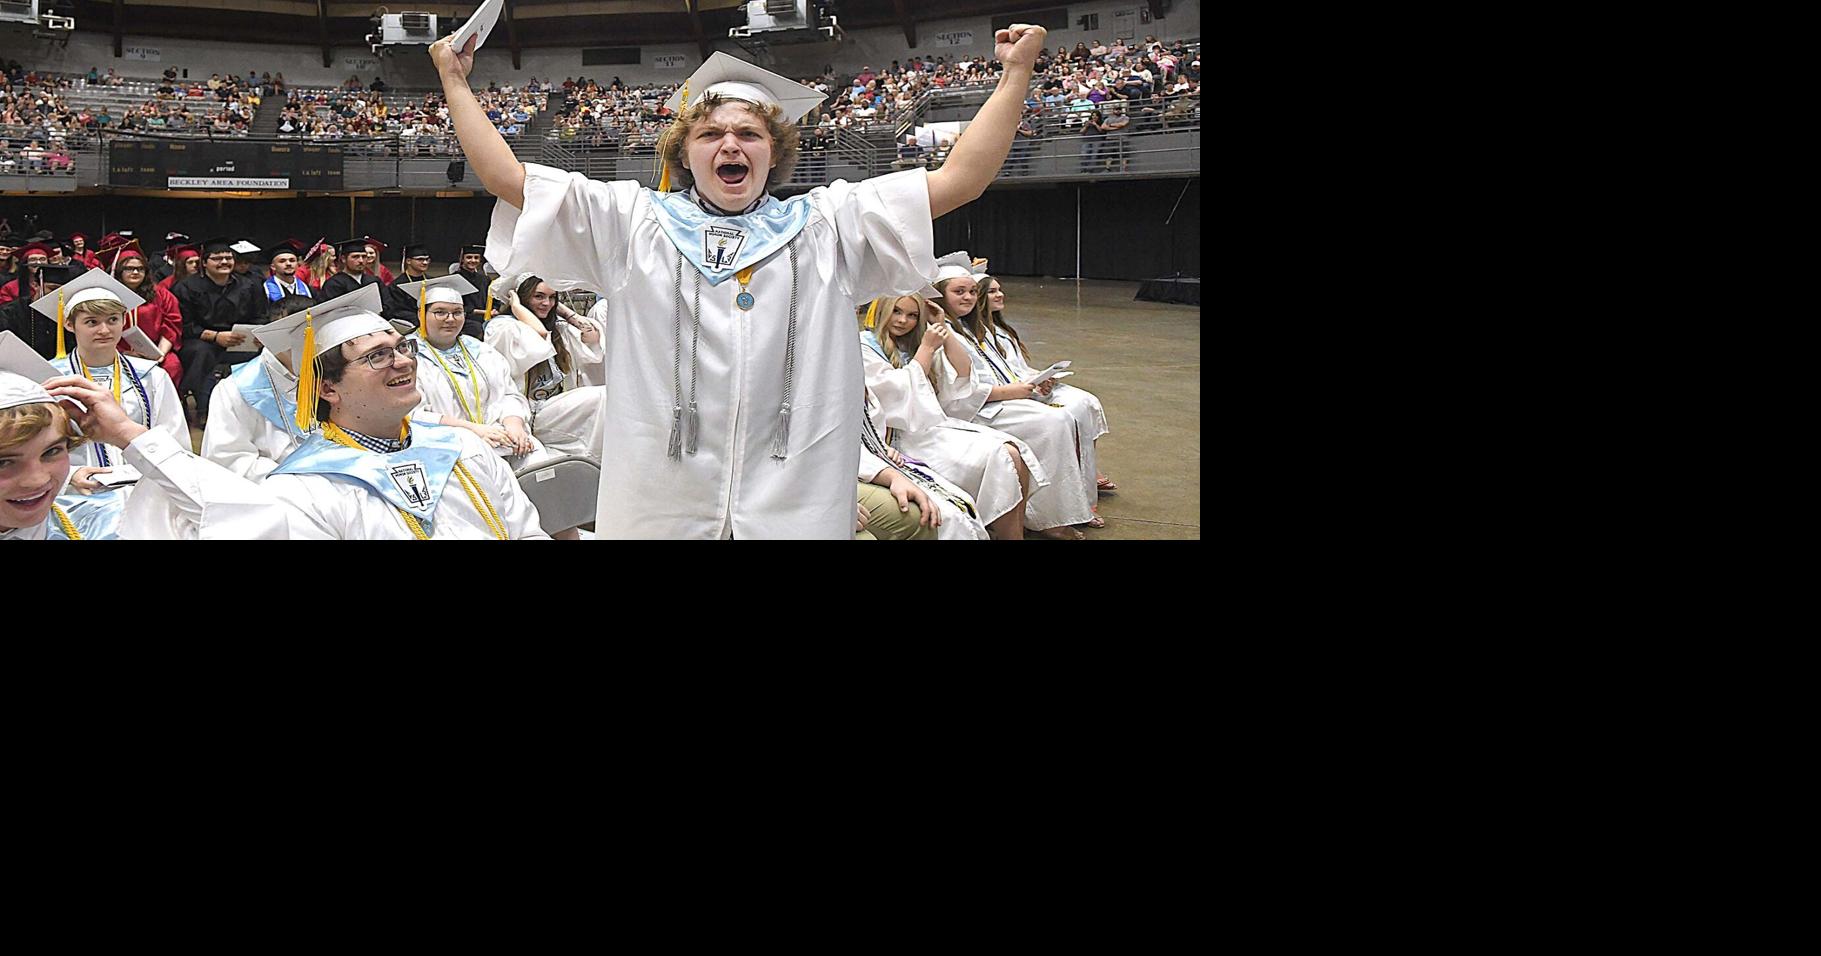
(105, 421)
(1019, 45)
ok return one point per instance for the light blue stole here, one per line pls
(257, 387)
(411, 480)
(275, 292)
(719, 246)
(96, 517)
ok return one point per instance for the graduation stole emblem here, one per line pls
(412, 482)
(721, 246)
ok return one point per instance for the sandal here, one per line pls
(1103, 483)
(1095, 522)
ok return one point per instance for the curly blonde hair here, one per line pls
(785, 143)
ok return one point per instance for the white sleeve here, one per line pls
(522, 348)
(570, 232)
(961, 397)
(885, 236)
(870, 465)
(504, 397)
(183, 497)
(905, 395)
(229, 439)
(516, 510)
(167, 406)
(582, 355)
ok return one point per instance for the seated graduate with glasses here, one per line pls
(372, 472)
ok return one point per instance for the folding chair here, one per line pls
(564, 491)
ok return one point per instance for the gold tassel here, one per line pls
(61, 351)
(664, 167)
(420, 307)
(871, 310)
(306, 377)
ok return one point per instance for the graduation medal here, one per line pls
(744, 299)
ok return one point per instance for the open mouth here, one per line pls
(28, 504)
(733, 174)
(403, 381)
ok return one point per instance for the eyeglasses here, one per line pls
(132, 268)
(229, 257)
(443, 315)
(380, 359)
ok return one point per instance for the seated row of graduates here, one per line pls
(530, 391)
(949, 403)
(949, 413)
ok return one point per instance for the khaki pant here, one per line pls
(884, 522)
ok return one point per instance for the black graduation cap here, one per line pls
(216, 245)
(346, 246)
(55, 275)
(474, 250)
(415, 249)
(171, 239)
(295, 247)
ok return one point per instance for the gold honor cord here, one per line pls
(474, 411)
(69, 527)
(61, 351)
(117, 377)
(476, 496)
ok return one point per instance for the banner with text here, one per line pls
(144, 54)
(669, 61)
(955, 38)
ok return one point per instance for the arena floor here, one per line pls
(1144, 361)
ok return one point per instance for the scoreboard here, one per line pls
(237, 164)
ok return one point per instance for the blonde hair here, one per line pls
(896, 353)
(22, 423)
(673, 144)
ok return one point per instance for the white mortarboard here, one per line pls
(447, 289)
(345, 318)
(729, 76)
(87, 287)
(17, 390)
(952, 266)
(244, 247)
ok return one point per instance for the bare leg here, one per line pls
(1010, 526)
(571, 534)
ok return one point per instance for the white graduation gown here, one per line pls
(491, 378)
(325, 508)
(241, 439)
(166, 413)
(181, 496)
(861, 240)
(970, 455)
(956, 524)
(564, 422)
(1090, 415)
(1050, 432)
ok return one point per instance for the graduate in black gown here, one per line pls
(473, 267)
(36, 330)
(214, 301)
(414, 266)
(357, 269)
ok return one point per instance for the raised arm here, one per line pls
(486, 149)
(982, 148)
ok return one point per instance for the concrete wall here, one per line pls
(409, 67)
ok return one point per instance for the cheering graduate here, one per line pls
(288, 278)
(357, 258)
(733, 388)
(80, 251)
(1090, 416)
(373, 473)
(158, 316)
(179, 495)
(993, 395)
(472, 266)
(900, 349)
(546, 344)
(92, 310)
(464, 381)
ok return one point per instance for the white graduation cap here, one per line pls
(244, 247)
(733, 77)
(955, 265)
(447, 289)
(335, 322)
(90, 286)
(17, 390)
